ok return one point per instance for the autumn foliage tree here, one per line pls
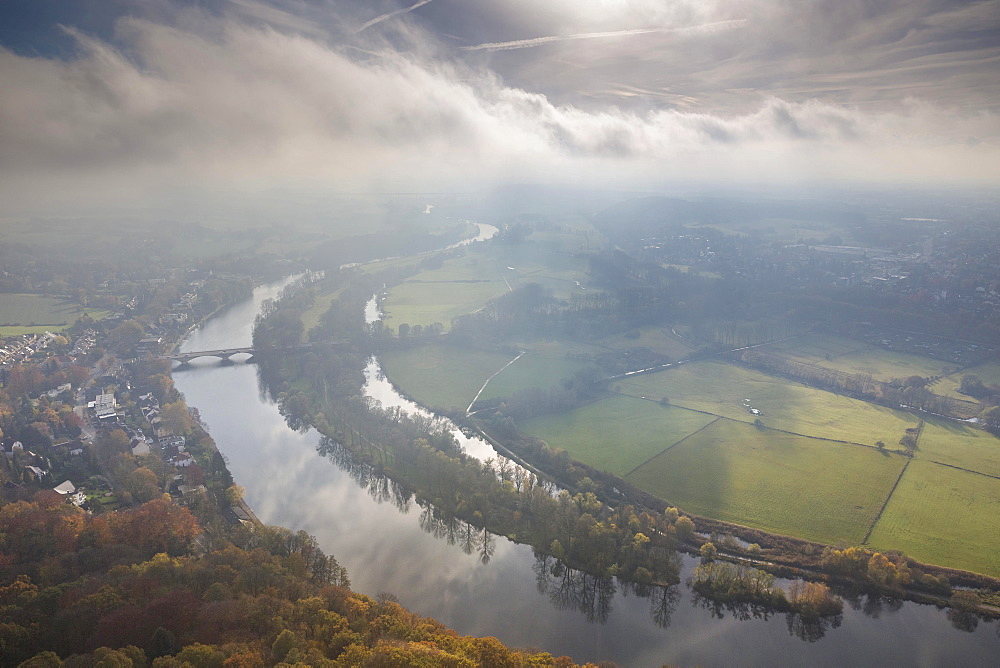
(124, 589)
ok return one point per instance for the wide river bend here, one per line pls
(408, 553)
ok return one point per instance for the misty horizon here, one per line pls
(113, 106)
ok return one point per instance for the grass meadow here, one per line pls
(823, 491)
(324, 299)
(24, 314)
(532, 370)
(465, 283)
(425, 302)
(849, 356)
(721, 389)
(988, 372)
(616, 434)
(438, 376)
(941, 515)
(811, 471)
(658, 339)
(961, 445)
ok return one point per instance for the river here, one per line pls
(402, 550)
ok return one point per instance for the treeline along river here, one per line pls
(481, 584)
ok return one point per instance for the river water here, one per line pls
(388, 546)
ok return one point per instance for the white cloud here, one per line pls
(549, 39)
(235, 107)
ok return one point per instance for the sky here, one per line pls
(145, 102)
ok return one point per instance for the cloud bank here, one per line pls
(230, 107)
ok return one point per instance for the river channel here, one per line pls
(387, 546)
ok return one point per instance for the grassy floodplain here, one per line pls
(441, 377)
(721, 389)
(849, 356)
(441, 296)
(27, 314)
(957, 444)
(988, 372)
(465, 283)
(942, 515)
(532, 370)
(829, 492)
(812, 471)
(324, 300)
(617, 434)
(657, 339)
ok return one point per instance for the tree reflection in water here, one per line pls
(964, 620)
(872, 605)
(810, 628)
(570, 589)
(592, 595)
(740, 610)
(381, 488)
(662, 600)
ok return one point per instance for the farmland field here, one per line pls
(941, 515)
(532, 370)
(658, 339)
(823, 491)
(722, 389)
(616, 434)
(439, 376)
(814, 348)
(312, 317)
(961, 445)
(849, 356)
(988, 372)
(21, 313)
(425, 302)
(465, 283)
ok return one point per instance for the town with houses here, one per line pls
(87, 406)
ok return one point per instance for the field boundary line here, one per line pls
(704, 426)
(783, 431)
(952, 466)
(884, 505)
(685, 408)
(476, 398)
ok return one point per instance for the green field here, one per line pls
(823, 491)
(941, 515)
(441, 377)
(849, 356)
(961, 445)
(532, 370)
(616, 434)
(658, 339)
(465, 283)
(426, 302)
(462, 285)
(321, 305)
(810, 471)
(988, 372)
(720, 389)
(24, 314)
(562, 348)
(814, 347)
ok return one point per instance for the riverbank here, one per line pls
(481, 584)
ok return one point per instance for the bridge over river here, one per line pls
(226, 353)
